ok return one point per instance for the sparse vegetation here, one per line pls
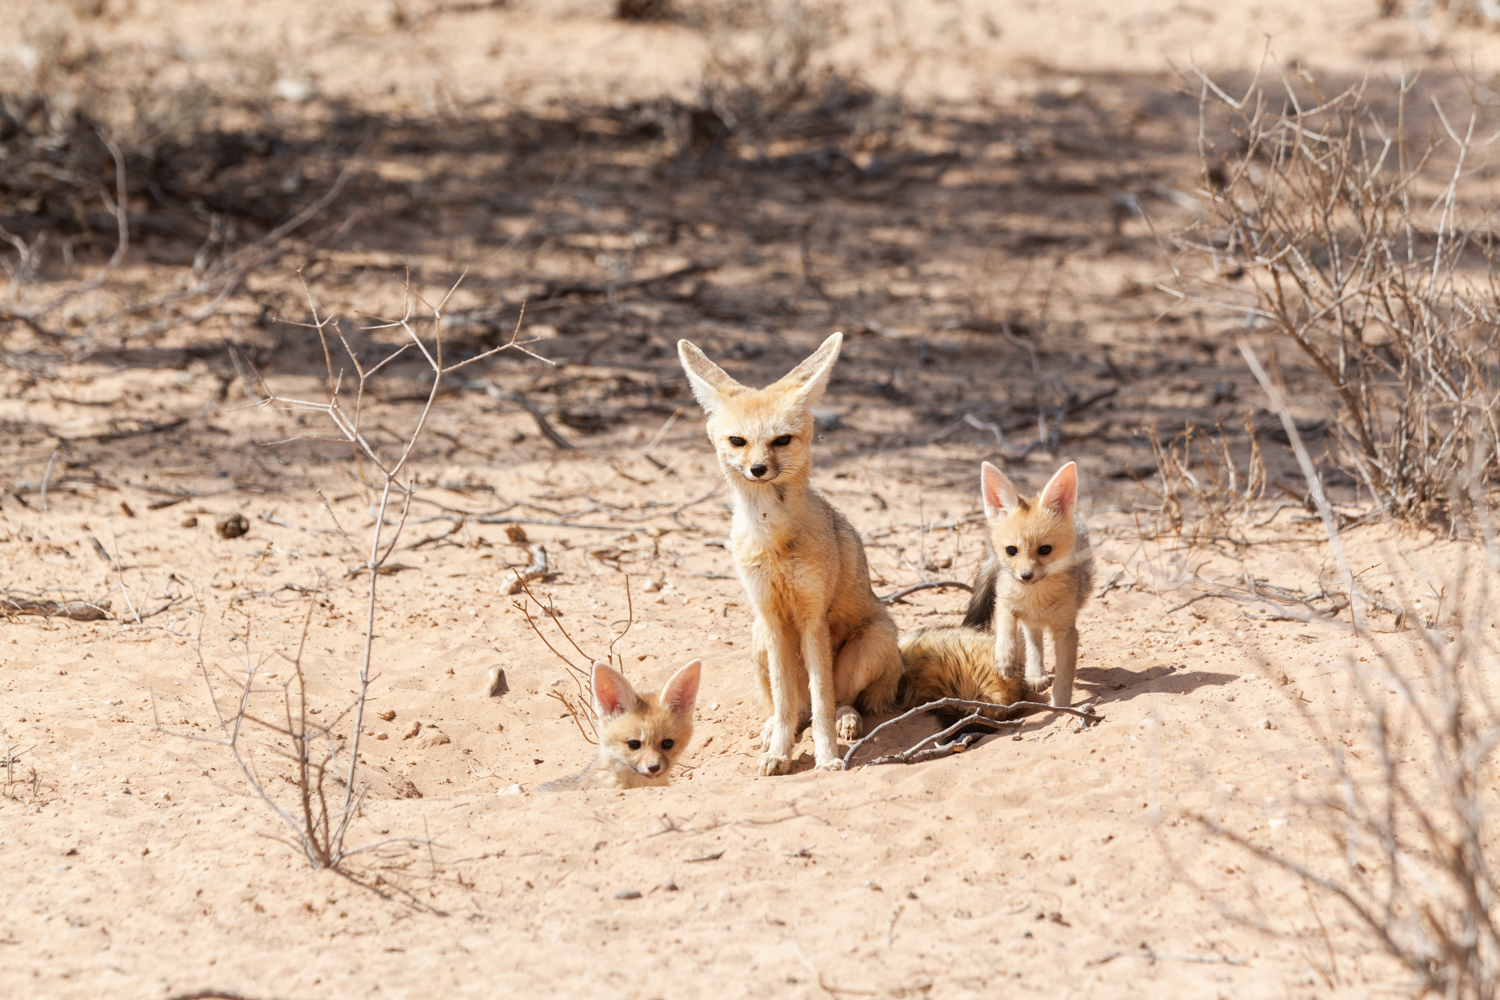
(1333, 228)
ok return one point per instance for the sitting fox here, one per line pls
(1036, 573)
(640, 736)
(820, 640)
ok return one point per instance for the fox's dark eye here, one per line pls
(785, 439)
(666, 744)
(1044, 550)
(1010, 550)
(738, 442)
(633, 744)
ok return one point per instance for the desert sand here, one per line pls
(1055, 859)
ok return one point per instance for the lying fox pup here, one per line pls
(1036, 573)
(820, 639)
(955, 662)
(640, 736)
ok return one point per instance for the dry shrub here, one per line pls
(1403, 812)
(1197, 478)
(575, 691)
(1331, 228)
(324, 753)
(768, 57)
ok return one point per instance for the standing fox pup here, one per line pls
(820, 639)
(640, 736)
(1037, 572)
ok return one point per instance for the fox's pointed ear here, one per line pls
(1061, 492)
(708, 380)
(810, 378)
(1000, 495)
(613, 694)
(681, 691)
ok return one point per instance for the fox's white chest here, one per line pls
(1052, 600)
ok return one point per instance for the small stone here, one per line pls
(653, 586)
(1069, 880)
(669, 886)
(516, 534)
(190, 522)
(628, 894)
(432, 738)
(1267, 724)
(499, 727)
(494, 683)
(411, 730)
(231, 525)
(387, 715)
(381, 736)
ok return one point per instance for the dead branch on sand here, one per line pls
(981, 714)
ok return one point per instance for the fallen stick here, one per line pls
(1154, 957)
(915, 756)
(78, 611)
(892, 598)
(536, 571)
(1087, 714)
(540, 418)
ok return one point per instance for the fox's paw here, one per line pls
(830, 765)
(847, 723)
(771, 763)
(765, 733)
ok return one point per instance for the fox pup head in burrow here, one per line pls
(1032, 538)
(645, 733)
(762, 436)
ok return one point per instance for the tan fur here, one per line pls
(1028, 589)
(648, 720)
(955, 662)
(820, 639)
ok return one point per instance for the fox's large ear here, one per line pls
(613, 694)
(1000, 495)
(810, 378)
(708, 380)
(682, 690)
(1061, 492)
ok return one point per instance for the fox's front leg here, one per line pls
(817, 657)
(1036, 666)
(780, 731)
(1007, 646)
(1065, 650)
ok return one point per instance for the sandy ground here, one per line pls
(1055, 860)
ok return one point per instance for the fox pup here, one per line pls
(1036, 573)
(820, 640)
(640, 736)
(955, 662)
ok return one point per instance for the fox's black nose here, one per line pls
(757, 471)
(1027, 574)
(653, 768)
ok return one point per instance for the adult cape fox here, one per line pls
(640, 736)
(1036, 573)
(820, 640)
